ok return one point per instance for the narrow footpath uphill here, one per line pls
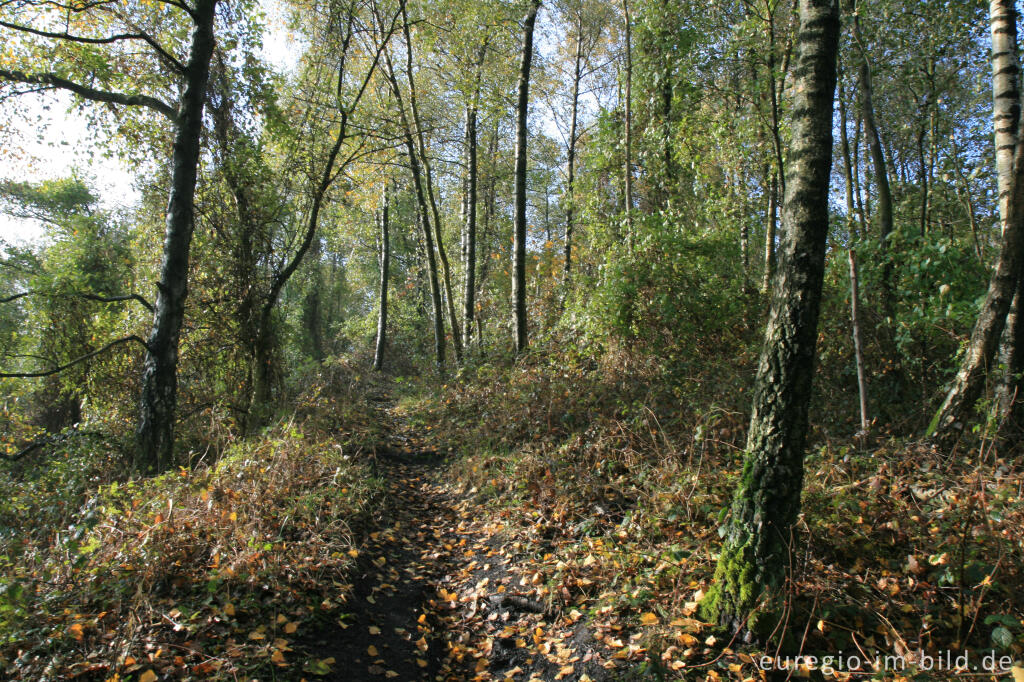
(442, 592)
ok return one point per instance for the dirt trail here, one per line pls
(438, 594)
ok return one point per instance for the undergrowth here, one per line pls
(899, 551)
(218, 569)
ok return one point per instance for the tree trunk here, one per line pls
(469, 264)
(312, 313)
(431, 195)
(627, 168)
(769, 231)
(385, 262)
(756, 548)
(570, 184)
(885, 219)
(949, 422)
(423, 213)
(519, 216)
(1006, 119)
(1005, 95)
(154, 437)
(858, 356)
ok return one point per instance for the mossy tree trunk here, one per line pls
(756, 552)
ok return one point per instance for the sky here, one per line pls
(47, 142)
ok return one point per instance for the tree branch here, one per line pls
(106, 40)
(83, 358)
(86, 92)
(89, 297)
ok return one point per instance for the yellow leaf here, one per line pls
(76, 631)
(374, 630)
(229, 609)
(291, 628)
(148, 676)
(277, 656)
(1018, 673)
(372, 650)
(648, 619)
(421, 663)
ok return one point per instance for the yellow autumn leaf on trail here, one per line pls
(374, 630)
(372, 650)
(290, 628)
(649, 619)
(148, 676)
(277, 656)
(229, 609)
(421, 663)
(1018, 673)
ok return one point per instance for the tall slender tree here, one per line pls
(158, 401)
(756, 550)
(382, 296)
(519, 216)
(954, 414)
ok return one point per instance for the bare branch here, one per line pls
(86, 295)
(89, 93)
(106, 40)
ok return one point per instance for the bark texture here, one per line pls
(154, 438)
(756, 548)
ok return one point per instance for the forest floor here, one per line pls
(443, 590)
(520, 530)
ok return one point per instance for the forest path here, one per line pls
(441, 591)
